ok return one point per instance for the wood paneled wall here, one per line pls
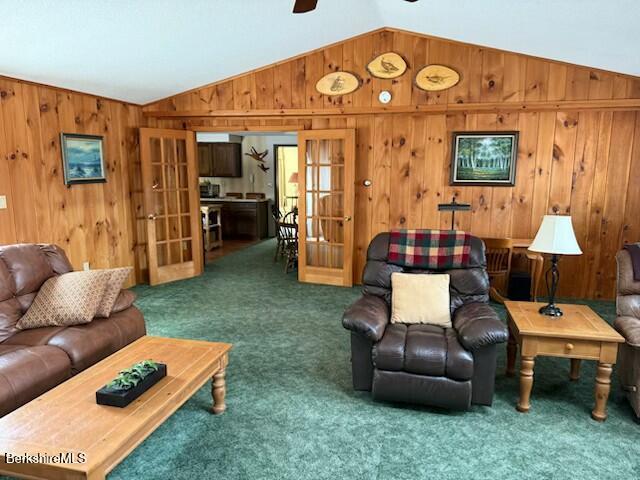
(93, 223)
(582, 159)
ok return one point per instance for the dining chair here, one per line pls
(499, 252)
(289, 235)
(276, 214)
(536, 264)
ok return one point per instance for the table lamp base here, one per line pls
(551, 310)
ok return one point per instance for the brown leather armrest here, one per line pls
(629, 328)
(368, 316)
(478, 325)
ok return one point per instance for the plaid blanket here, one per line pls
(429, 249)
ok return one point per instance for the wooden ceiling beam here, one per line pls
(485, 107)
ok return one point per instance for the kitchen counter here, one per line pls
(245, 218)
(231, 199)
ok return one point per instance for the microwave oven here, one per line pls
(209, 190)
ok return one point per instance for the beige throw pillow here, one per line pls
(420, 298)
(65, 300)
(117, 276)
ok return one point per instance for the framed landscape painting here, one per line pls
(82, 158)
(484, 158)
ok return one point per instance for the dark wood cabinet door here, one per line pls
(204, 160)
(226, 159)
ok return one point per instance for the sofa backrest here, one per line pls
(467, 285)
(23, 270)
(628, 290)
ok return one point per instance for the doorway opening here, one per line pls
(221, 187)
(286, 177)
(245, 178)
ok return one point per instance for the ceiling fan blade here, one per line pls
(304, 6)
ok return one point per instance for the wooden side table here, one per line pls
(580, 334)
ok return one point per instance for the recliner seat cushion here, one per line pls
(424, 350)
(27, 372)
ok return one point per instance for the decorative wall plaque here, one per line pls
(388, 65)
(433, 78)
(338, 83)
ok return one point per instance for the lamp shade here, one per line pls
(293, 178)
(556, 236)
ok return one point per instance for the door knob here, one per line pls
(347, 218)
(151, 216)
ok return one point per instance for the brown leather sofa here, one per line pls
(627, 324)
(34, 361)
(425, 364)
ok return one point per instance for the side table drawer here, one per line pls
(569, 348)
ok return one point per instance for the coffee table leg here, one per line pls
(526, 382)
(603, 386)
(512, 348)
(574, 374)
(218, 390)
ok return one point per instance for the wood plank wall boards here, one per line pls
(579, 140)
(93, 223)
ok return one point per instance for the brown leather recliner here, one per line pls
(627, 324)
(425, 364)
(34, 361)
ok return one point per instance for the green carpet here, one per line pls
(292, 413)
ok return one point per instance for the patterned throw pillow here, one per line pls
(68, 299)
(117, 276)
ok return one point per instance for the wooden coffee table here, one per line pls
(66, 421)
(580, 334)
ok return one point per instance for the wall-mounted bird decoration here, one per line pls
(388, 67)
(258, 157)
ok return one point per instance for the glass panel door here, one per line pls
(169, 175)
(326, 174)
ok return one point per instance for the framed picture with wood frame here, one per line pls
(82, 158)
(484, 158)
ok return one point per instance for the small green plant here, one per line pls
(132, 376)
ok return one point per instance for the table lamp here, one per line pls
(555, 237)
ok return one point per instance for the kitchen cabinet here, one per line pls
(226, 159)
(204, 160)
(220, 159)
(243, 219)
